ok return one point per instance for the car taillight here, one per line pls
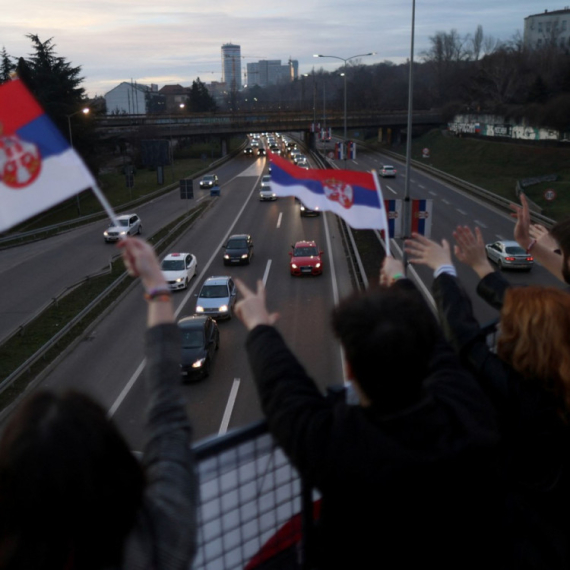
(509, 259)
(530, 259)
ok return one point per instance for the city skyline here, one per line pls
(176, 42)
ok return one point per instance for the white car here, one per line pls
(265, 191)
(178, 269)
(388, 171)
(129, 225)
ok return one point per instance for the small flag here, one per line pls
(352, 195)
(339, 151)
(38, 167)
(421, 217)
(351, 150)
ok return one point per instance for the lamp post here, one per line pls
(85, 111)
(345, 59)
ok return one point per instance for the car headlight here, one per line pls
(223, 309)
(226, 256)
(199, 363)
(199, 309)
(179, 280)
(294, 265)
(244, 256)
(123, 233)
(317, 265)
(105, 234)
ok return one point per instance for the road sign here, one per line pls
(549, 194)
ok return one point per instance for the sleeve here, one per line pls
(171, 490)
(463, 332)
(298, 414)
(492, 289)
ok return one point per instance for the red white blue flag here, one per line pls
(352, 195)
(38, 167)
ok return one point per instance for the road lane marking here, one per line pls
(480, 223)
(432, 192)
(422, 187)
(279, 220)
(266, 274)
(461, 211)
(393, 191)
(229, 407)
(446, 202)
(126, 389)
(500, 237)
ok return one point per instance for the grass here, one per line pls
(496, 166)
(21, 347)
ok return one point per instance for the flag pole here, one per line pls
(105, 203)
(383, 211)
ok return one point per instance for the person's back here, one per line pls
(407, 477)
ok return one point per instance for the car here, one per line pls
(306, 259)
(217, 297)
(208, 181)
(239, 249)
(129, 225)
(306, 212)
(294, 154)
(509, 255)
(178, 269)
(261, 151)
(299, 158)
(388, 171)
(254, 143)
(265, 191)
(248, 151)
(200, 341)
(302, 162)
(274, 148)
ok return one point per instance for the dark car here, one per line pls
(248, 151)
(239, 249)
(200, 340)
(261, 151)
(306, 212)
(208, 181)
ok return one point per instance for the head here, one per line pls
(69, 486)
(388, 336)
(535, 338)
(561, 233)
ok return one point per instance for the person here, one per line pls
(73, 496)
(407, 475)
(533, 239)
(528, 381)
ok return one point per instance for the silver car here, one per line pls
(217, 297)
(265, 191)
(509, 255)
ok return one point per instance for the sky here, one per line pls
(175, 41)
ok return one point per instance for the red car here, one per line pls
(306, 259)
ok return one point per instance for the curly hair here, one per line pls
(535, 338)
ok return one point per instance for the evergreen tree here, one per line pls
(6, 66)
(200, 100)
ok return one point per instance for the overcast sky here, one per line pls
(175, 41)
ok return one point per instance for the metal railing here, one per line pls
(254, 510)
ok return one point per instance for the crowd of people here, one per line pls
(455, 455)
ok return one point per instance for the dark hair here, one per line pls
(388, 335)
(561, 233)
(69, 486)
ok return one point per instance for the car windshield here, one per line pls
(192, 338)
(266, 179)
(515, 250)
(388, 168)
(237, 244)
(208, 178)
(305, 251)
(214, 291)
(121, 223)
(173, 265)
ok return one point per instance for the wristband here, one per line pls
(530, 245)
(158, 294)
(397, 276)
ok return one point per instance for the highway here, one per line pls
(108, 361)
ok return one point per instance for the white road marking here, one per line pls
(422, 187)
(446, 202)
(279, 220)
(500, 237)
(432, 192)
(126, 389)
(461, 211)
(480, 223)
(266, 273)
(229, 407)
(393, 191)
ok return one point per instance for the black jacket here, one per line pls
(536, 446)
(398, 490)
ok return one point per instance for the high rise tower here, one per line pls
(231, 66)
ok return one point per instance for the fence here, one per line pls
(254, 511)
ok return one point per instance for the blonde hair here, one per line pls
(535, 338)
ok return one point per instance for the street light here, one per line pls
(345, 62)
(85, 111)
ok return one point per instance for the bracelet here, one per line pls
(530, 245)
(158, 294)
(397, 276)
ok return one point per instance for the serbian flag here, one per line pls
(354, 196)
(38, 167)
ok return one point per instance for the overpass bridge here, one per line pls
(225, 124)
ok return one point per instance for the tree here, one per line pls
(200, 100)
(6, 66)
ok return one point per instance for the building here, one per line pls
(547, 28)
(231, 66)
(270, 72)
(134, 99)
(175, 96)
